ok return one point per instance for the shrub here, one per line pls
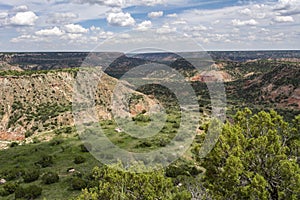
(9, 188)
(86, 147)
(50, 177)
(30, 192)
(176, 125)
(29, 133)
(144, 144)
(78, 183)
(3, 192)
(79, 160)
(45, 161)
(56, 142)
(14, 144)
(12, 174)
(163, 142)
(142, 118)
(31, 175)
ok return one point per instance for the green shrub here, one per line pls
(45, 161)
(10, 187)
(86, 147)
(14, 144)
(142, 118)
(56, 142)
(144, 144)
(50, 177)
(79, 160)
(3, 192)
(78, 183)
(164, 141)
(176, 125)
(29, 133)
(12, 174)
(30, 192)
(31, 175)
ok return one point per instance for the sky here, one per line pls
(80, 25)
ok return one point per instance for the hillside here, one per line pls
(42, 101)
(271, 83)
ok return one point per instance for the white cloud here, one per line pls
(72, 36)
(155, 14)
(165, 29)
(24, 18)
(120, 19)
(284, 4)
(26, 38)
(94, 28)
(237, 22)
(75, 28)
(21, 8)
(179, 22)
(59, 18)
(3, 15)
(150, 2)
(282, 19)
(145, 25)
(112, 3)
(121, 3)
(105, 35)
(246, 11)
(50, 32)
(198, 28)
(174, 15)
(255, 11)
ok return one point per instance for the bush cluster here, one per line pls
(79, 160)
(45, 161)
(86, 147)
(8, 188)
(31, 175)
(50, 177)
(30, 192)
(78, 183)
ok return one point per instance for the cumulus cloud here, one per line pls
(25, 37)
(120, 19)
(94, 28)
(50, 32)
(112, 3)
(72, 36)
(155, 14)
(21, 8)
(246, 11)
(285, 4)
(150, 2)
(179, 22)
(165, 29)
(105, 34)
(121, 3)
(145, 25)
(60, 18)
(75, 28)
(3, 15)
(174, 15)
(198, 28)
(237, 22)
(282, 19)
(24, 19)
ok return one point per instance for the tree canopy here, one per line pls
(256, 157)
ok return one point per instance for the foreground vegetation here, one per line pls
(256, 157)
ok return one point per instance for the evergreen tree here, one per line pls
(255, 158)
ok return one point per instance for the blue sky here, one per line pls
(79, 25)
